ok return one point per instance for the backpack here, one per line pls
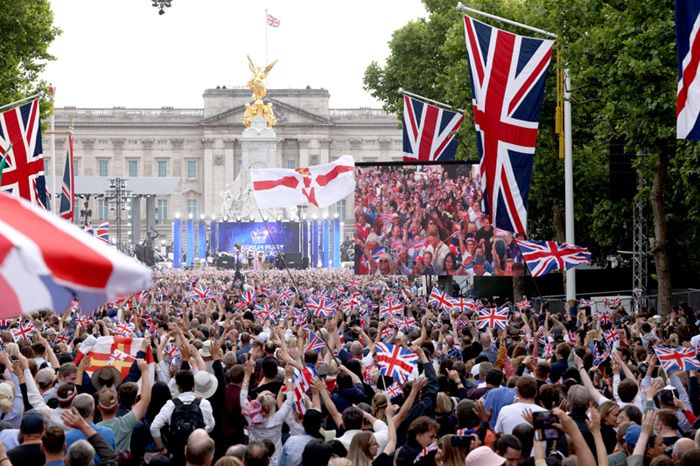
(186, 418)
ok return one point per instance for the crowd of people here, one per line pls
(427, 220)
(324, 367)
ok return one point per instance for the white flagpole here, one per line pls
(436, 102)
(461, 7)
(21, 101)
(267, 26)
(52, 201)
(569, 183)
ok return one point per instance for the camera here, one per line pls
(543, 423)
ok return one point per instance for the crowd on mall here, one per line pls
(323, 367)
(427, 220)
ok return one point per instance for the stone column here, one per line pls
(176, 157)
(325, 145)
(229, 174)
(148, 163)
(303, 152)
(208, 170)
(118, 162)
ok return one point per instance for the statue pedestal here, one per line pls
(258, 150)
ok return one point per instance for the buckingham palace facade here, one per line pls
(199, 150)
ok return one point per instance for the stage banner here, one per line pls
(177, 244)
(256, 236)
(337, 239)
(314, 243)
(202, 240)
(213, 227)
(325, 243)
(189, 252)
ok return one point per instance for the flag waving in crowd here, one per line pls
(319, 185)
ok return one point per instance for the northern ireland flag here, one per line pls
(45, 262)
(320, 185)
(115, 351)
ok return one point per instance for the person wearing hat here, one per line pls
(484, 456)
(123, 426)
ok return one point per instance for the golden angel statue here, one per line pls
(257, 85)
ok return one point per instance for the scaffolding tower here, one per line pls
(640, 248)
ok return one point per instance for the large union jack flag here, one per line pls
(493, 318)
(677, 359)
(429, 132)
(508, 74)
(395, 361)
(688, 93)
(20, 139)
(67, 205)
(542, 257)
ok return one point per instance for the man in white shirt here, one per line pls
(512, 415)
(185, 385)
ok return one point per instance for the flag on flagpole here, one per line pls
(429, 132)
(688, 93)
(67, 205)
(320, 185)
(508, 74)
(20, 140)
(272, 21)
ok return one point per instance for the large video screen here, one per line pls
(427, 220)
(255, 236)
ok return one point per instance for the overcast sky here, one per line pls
(122, 53)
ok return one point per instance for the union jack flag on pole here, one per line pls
(429, 132)
(677, 359)
(496, 318)
(542, 257)
(67, 205)
(20, 140)
(272, 21)
(395, 361)
(315, 343)
(508, 74)
(688, 93)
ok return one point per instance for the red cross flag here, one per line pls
(118, 352)
(45, 261)
(320, 185)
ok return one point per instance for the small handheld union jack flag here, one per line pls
(285, 295)
(611, 336)
(440, 299)
(124, 329)
(677, 359)
(496, 318)
(23, 332)
(394, 391)
(265, 312)
(200, 293)
(315, 343)
(395, 361)
(389, 308)
(405, 324)
(249, 297)
(612, 303)
(600, 357)
(524, 304)
(63, 337)
(320, 307)
(464, 304)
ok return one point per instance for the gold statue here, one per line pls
(257, 85)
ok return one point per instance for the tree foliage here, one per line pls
(622, 61)
(26, 31)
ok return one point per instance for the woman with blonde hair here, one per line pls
(452, 450)
(11, 401)
(364, 448)
(379, 404)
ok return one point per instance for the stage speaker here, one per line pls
(294, 260)
(623, 175)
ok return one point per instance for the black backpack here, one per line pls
(186, 418)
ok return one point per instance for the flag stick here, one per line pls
(436, 102)
(296, 287)
(461, 7)
(267, 26)
(21, 101)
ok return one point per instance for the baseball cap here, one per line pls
(32, 424)
(44, 377)
(484, 456)
(632, 435)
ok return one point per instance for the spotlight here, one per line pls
(201, 216)
(335, 215)
(189, 216)
(177, 215)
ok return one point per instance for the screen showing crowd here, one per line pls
(427, 220)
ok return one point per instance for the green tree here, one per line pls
(26, 31)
